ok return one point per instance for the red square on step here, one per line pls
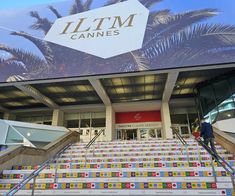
(213, 185)
(169, 185)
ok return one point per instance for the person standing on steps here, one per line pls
(208, 135)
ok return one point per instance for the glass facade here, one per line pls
(35, 117)
(28, 134)
(223, 111)
(85, 120)
(216, 96)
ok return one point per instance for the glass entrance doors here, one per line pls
(139, 134)
(184, 129)
(130, 134)
(146, 134)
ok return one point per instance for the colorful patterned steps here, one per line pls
(124, 185)
(122, 174)
(132, 146)
(139, 158)
(155, 141)
(147, 153)
(51, 172)
(165, 149)
(128, 168)
(115, 179)
(135, 146)
(141, 192)
(124, 165)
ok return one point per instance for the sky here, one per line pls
(10, 4)
(14, 14)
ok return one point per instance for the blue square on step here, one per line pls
(179, 185)
(146, 185)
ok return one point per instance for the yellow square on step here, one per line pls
(80, 185)
(203, 185)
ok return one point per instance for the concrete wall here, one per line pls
(225, 140)
(227, 125)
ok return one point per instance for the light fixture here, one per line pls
(229, 115)
(28, 134)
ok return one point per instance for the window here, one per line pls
(87, 132)
(184, 131)
(207, 98)
(47, 122)
(72, 123)
(179, 119)
(159, 133)
(98, 122)
(85, 123)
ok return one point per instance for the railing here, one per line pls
(182, 140)
(219, 160)
(35, 173)
(91, 143)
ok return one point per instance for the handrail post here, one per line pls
(94, 150)
(199, 155)
(56, 169)
(33, 187)
(186, 146)
(86, 157)
(213, 168)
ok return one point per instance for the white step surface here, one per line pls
(169, 169)
(179, 192)
(133, 179)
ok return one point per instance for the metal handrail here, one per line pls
(176, 132)
(93, 139)
(35, 173)
(91, 143)
(219, 160)
(182, 140)
(186, 146)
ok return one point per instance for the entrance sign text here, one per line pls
(104, 32)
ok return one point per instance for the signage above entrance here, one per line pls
(138, 125)
(137, 117)
(103, 32)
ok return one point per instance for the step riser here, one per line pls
(134, 179)
(133, 173)
(221, 192)
(165, 150)
(135, 146)
(122, 185)
(139, 158)
(126, 165)
(190, 141)
(138, 154)
(172, 169)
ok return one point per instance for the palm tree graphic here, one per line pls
(170, 40)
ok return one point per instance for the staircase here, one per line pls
(154, 167)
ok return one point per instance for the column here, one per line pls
(9, 116)
(166, 121)
(58, 118)
(110, 124)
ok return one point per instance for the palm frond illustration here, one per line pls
(170, 39)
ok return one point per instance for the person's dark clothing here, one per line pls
(208, 136)
(206, 131)
(212, 144)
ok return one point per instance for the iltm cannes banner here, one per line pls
(99, 37)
